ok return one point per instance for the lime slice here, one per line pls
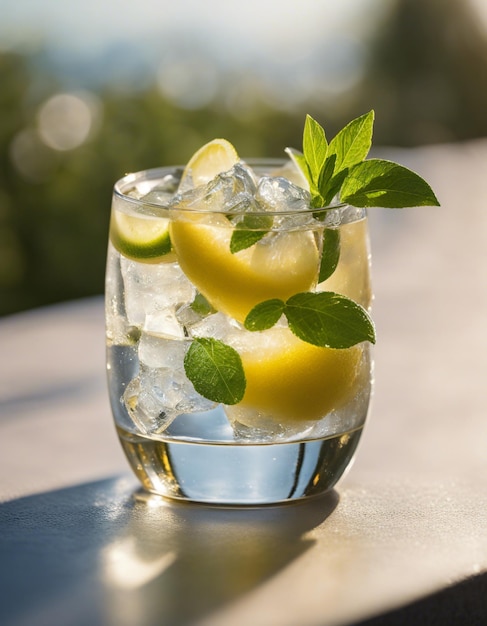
(278, 266)
(293, 381)
(210, 160)
(144, 239)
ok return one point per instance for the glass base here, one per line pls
(239, 474)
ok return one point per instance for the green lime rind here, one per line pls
(140, 240)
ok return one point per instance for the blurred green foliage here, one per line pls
(426, 78)
(54, 221)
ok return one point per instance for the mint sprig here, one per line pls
(325, 319)
(339, 168)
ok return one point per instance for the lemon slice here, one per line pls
(278, 266)
(293, 381)
(144, 239)
(210, 160)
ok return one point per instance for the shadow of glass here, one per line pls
(184, 561)
(99, 553)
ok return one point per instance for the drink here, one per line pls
(172, 277)
(238, 334)
(240, 473)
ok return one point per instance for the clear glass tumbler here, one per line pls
(183, 272)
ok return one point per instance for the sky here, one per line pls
(256, 30)
(83, 23)
(288, 46)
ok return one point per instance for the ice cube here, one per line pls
(158, 196)
(153, 292)
(188, 316)
(217, 326)
(157, 396)
(156, 351)
(277, 194)
(161, 191)
(228, 192)
(250, 424)
(280, 194)
(164, 322)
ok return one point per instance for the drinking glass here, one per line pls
(173, 281)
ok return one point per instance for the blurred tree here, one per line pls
(427, 81)
(14, 80)
(427, 76)
(55, 205)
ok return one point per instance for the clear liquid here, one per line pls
(238, 474)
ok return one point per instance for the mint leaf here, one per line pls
(242, 239)
(246, 232)
(352, 144)
(379, 183)
(331, 253)
(328, 320)
(339, 168)
(264, 315)
(324, 180)
(315, 148)
(201, 306)
(215, 370)
(334, 186)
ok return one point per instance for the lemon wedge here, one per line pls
(140, 238)
(210, 160)
(294, 381)
(278, 266)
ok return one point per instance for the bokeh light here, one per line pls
(31, 157)
(66, 120)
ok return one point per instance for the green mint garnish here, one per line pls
(379, 183)
(215, 370)
(264, 315)
(328, 320)
(352, 144)
(339, 169)
(325, 319)
(349, 147)
(249, 231)
(331, 253)
(201, 306)
(315, 150)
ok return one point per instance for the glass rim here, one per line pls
(130, 180)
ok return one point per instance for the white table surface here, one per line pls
(79, 545)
